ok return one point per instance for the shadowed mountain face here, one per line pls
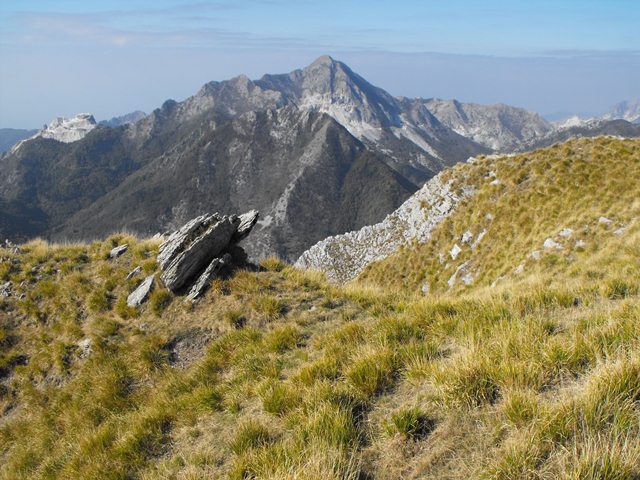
(318, 152)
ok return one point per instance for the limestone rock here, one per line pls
(5, 289)
(85, 347)
(549, 243)
(204, 248)
(466, 237)
(343, 257)
(565, 232)
(181, 238)
(455, 251)
(208, 275)
(140, 294)
(119, 250)
(133, 273)
(247, 221)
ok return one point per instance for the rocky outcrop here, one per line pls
(196, 253)
(343, 257)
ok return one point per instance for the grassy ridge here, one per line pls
(278, 374)
(520, 202)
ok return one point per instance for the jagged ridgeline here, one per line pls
(276, 373)
(318, 151)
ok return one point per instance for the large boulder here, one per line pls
(196, 253)
(182, 237)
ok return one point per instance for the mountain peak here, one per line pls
(324, 60)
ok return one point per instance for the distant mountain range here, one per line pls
(319, 151)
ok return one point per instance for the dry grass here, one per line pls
(277, 374)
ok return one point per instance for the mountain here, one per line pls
(11, 136)
(124, 119)
(506, 345)
(318, 151)
(628, 110)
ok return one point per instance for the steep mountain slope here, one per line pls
(11, 136)
(297, 168)
(275, 373)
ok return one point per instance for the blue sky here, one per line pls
(110, 57)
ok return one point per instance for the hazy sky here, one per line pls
(110, 57)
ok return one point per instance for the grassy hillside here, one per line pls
(583, 196)
(278, 374)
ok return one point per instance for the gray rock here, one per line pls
(5, 289)
(207, 276)
(549, 243)
(140, 294)
(605, 220)
(133, 273)
(455, 251)
(188, 263)
(247, 221)
(565, 232)
(182, 237)
(85, 347)
(119, 250)
(343, 257)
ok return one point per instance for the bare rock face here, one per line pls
(343, 257)
(196, 253)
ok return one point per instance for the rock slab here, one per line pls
(140, 294)
(195, 254)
